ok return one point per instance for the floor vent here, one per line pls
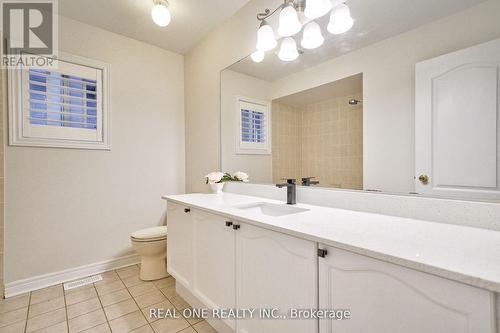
(82, 282)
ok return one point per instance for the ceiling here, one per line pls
(191, 19)
(375, 20)
(348, 86)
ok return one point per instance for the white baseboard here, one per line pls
(50, 279)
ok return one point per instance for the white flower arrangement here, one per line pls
(214, 177)
(241, 176)
(220, 177)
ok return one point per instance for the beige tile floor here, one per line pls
(120, 303)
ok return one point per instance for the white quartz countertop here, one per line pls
(464, 254)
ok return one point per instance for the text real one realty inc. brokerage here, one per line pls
(270, 313)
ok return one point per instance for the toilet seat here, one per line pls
(151, 245)
(150, 234)
(144, 240)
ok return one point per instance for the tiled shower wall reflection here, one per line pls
(322, 140)
(286, 136)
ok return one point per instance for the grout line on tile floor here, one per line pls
(66, 307)
(155, 287)
(140, 310)
(27, 313)
(102, 307)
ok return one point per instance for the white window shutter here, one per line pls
(254, 122)
(62, 107)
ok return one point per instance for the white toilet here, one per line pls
(151, 245)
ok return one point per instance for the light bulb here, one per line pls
(289, 22)
(340, 20)
(312, 37)
(265, 37)
(257, 56)
(160, 14)
(317, 8)
(288, 50)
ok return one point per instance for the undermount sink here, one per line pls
(270, 209)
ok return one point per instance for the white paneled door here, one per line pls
(457, 123)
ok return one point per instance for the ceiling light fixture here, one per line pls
(317, 8)
(312, 37)
(265, 37)
(297, 15)
(160, 13)
(258, 56)
(289, 21)
(288, 49)
(340, 20)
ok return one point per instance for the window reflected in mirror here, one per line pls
(314, 136)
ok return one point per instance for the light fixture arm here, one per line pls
(297, 4)
(160, 2)
(267, 13)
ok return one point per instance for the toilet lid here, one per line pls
(151, 233)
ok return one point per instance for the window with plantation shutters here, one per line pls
(62, 100)
(63, 107)
(254, 126)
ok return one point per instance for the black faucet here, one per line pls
(291, 194)
(307, 181)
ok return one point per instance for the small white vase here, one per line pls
(217, 188)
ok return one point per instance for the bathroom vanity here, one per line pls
(393, 274)
(377, 122)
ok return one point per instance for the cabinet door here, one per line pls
(457, 122)
(213, 248)
(274, 270)
(385, 298)
(180, 243)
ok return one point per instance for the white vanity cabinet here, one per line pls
(227, 264)
(180, 243)
(200, 255)
(389, 298)
(274, 270)
(222, 263)
(213, 261)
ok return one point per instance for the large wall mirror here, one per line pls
(406, 114)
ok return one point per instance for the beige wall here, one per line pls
(234, 85)
(66, 207)
(388, 75)
(286, 142)
(322, 140)
(332, 143)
